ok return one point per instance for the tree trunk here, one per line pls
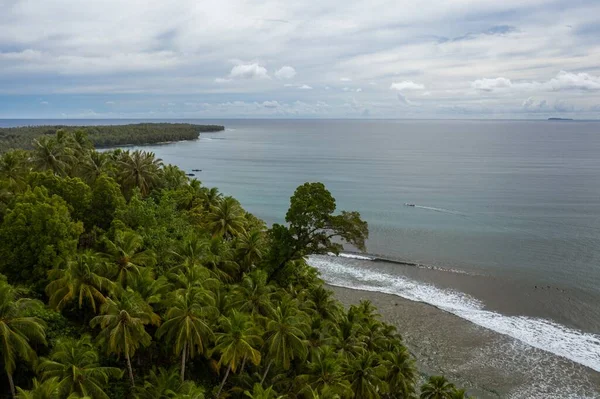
(130, 370)
(224, 379)
(183, 362)
(243, 364)
(12, 385)
(266, 372)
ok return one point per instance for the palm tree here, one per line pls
(173, 177)
(365, 374)
(13, 169)
(186, 323)
(325, 372)
(258, 392)
(250, 247)
(18, 331)
(75, 364)
(125, 253)
(459, 394)
(152, 290)
(238, 341)
(49, 154)
(190, 251)
(211, 197)
(253, 295)
(437, 387)
(400, 372)
(83, 279)
(41, 390)
(285, 336)
(93, 165)
(219, 259)
(122, 323)
(226, 219)
(322, 303)
(139, 169)
(346, 337)
(165, 384)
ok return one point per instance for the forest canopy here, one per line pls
(122, 278)
(108, 135)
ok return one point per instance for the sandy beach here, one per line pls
(488, 364)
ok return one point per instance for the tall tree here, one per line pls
(400, 372)
(366, 375)
(312, 226)
(41, 390)
(187, 323)
(226, 219)
(437, 387)
(239, 340)
(13, 169)
(17, 331)
(123, 326)
(165, 384)
(51, 154)
(139, 169)
(126, 255)
(75, 363)
(83, 279)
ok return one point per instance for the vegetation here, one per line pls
(47, 148)
(121, 278)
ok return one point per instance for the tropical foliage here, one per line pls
(122, 278)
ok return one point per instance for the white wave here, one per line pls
(580, 347)
(350, 256)
(442, 210)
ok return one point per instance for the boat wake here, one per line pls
(350, 271)
(441, 210)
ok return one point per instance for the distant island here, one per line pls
(560, 119)
(108, 135)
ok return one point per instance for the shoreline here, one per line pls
(486, 363)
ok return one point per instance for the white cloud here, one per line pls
(249, 71)
(491, 84)
(109, 102)
(406, 85)
(271, 104)
(222, 80)
(305, 87)
(345, 80)
(574, 81)
(44, 102)
(286, 72)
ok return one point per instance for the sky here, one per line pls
(523, 59)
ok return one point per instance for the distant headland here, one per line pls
(560, 119)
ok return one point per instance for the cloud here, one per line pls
(406, 85)
(109, 102)
(286, 72)
(345, 80)
(222, 80)
(298, 86)
(44, 102)
(491, 84)
(574, 81)
(249, 71)
(271, 104)
(305, 87)
(405, 101)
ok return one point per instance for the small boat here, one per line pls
(407, 204)
(196, 170)
(190, 174)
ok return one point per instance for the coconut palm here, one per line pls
(173, 177)
(123, 325)
(237, 342)
(139, 169)
(258, 392)
(40, 390)
(323, 305)
(459, 394)
(226, 219)
(126, 255)
(165, 384)
(13, 169)
(93, 165)
(187, 323)
(400, 372)
(17, 331)
(365, 373)
(250, 247)
(152, 290)
(49, 154)
(190, 251)
(285, 336)
(437, 387)
(325, 372)
(254, 295)
(75, 364)
(211, 197)
(219, 259)
(346, 339)
(83, 279)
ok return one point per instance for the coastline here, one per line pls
(488, 364)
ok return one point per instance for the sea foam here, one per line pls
(580, 347)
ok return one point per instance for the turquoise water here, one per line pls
(507, 215)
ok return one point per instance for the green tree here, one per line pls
(13, 169)
(139, 169)
(83, 279)
(17, 331)
(75, 363)
(258, 392)
(400, 372)
(238, 341)
(37, 235)
(226, 219)
(254, 294)
(325, 372)
(250, 248)
(93, 165)
(187, 323)
(52, 155)
(285, 336)
(41, 390)
(123, 326)
(437, 387)
(106, 199)
(312, 226)
(165, 384)
(126, 255)
(74, 191)
(366, 376)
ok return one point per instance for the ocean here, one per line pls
(505, 231)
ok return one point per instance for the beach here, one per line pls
(488, 364)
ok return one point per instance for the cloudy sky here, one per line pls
(301, 58)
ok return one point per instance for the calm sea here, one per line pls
(506, 222)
